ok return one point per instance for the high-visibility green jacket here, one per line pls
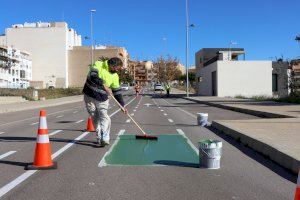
(97, 77)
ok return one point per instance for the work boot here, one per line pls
(104, 143)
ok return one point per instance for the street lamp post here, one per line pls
(187, 45)
(92, 37)
(165, 52)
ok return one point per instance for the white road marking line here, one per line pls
(165, 114)
(132, 114)
(162, 110)
(1, 133)
(170, 120)
(27, 174)
(128, 120)
(54, 132)
(7, 154)
(186, 112)
(102, 162)
(180, 132)
(75, 112)
(34, 123)
(134, 110)
(79, 121)
(158, 106)
(60, 116)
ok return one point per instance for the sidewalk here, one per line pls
(277, 137)
(4, 108)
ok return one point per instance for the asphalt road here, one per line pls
(244, 174)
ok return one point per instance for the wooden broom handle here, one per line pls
(123, 109)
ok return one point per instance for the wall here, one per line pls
(47, 48)
(246, 78)
(205, 86)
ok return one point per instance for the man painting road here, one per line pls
(102, 80)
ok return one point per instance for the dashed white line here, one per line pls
(134, 110)
(75, 112)
(7, 154)
(132, 114)
(54, 132)
(128, 120)
(165, 114)
(34, 123)
(136, 107)
(170, 120)
(60, 116)
(1, 133)
(162, 110)
(79, 121)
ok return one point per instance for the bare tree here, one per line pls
(167, 69)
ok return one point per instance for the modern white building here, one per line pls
(220, 73)
(15, 68)
(48, 45)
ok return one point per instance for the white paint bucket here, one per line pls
(210, 152)
(202, 119)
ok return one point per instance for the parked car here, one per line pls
(158, 87)
(125, 86)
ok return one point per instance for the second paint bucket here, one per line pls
(210, 152)
(202, 119)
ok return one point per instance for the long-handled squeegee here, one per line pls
(144, 135)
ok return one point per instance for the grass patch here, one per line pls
(47, 93)
(293, 98)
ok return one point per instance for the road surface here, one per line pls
(244, 174)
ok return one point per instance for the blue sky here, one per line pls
(265, 28)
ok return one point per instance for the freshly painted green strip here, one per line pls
(167, 150)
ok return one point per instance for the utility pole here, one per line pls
(187, 47)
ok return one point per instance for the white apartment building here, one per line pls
(48, 45)
(220, 73)
(15, 68)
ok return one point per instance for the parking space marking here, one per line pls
(79, 121)
(102, 162)
(7, 154)
(54, 132)
(180, 132)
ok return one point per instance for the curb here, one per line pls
(261, 114)
(274, 154)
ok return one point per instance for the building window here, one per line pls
(274, 82)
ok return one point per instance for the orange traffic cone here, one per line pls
(89, 125)
(297, 194)
(42, 156)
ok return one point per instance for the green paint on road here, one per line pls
(167, 150)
